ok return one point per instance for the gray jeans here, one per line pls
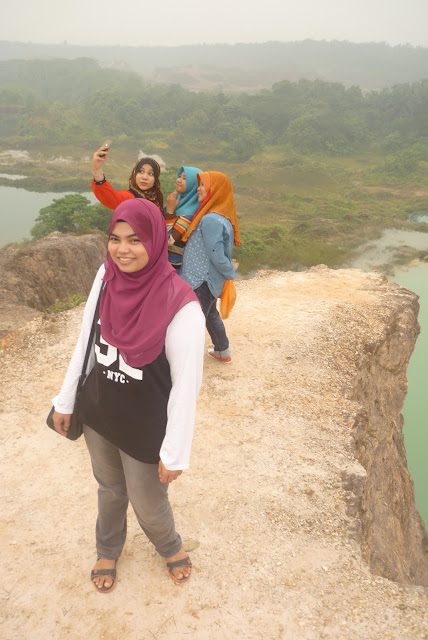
(122, 479)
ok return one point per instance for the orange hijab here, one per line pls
(219, 200)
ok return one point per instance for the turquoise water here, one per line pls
(419, 216)
(415, 409)
(19, 209)
(382, 252)
(378, 254)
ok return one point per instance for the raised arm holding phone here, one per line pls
(143, 181)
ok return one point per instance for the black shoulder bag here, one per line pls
(75, 429)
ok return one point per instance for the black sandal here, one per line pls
(111, 573)
(184, 562)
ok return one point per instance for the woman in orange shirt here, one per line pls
(143, 181)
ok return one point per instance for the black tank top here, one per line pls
(125, 405)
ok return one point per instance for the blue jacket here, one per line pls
(207, 256)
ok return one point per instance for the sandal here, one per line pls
(184, 562)
(111, 573)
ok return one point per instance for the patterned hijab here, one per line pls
(136, 308)
(154, 194)
(188, 204)
(219, 199)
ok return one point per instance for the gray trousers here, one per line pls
(122, 479)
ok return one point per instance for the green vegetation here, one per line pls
(62, 103)
(239, 67)
(58, 306)
(71, 214)
(317, 168)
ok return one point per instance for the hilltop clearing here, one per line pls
(291, 537)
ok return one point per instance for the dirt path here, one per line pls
(262, 508)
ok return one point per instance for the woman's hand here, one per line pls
(61, 422)
(235, 263)
(98, 161)
(172, 201)
(165, 475)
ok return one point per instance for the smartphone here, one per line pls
(105, 147)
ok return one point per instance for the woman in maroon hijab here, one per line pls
(138, 401)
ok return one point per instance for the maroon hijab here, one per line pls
(136, 308)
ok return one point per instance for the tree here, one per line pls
(70, 214)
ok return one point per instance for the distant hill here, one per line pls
(248, 67)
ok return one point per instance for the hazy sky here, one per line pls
(171, 22)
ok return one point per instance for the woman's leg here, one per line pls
(149, 499)
(215, 325)
(112, 495)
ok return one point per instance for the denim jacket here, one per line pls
(207, 256)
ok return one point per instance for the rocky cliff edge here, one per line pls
(34, 276)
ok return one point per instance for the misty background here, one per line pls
(170, 23)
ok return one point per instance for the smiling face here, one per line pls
(125, 249)
(202, 192)
(180, 183)
(145, 178)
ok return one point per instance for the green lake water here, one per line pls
(377, 254)
(415, 410)
(19, 209)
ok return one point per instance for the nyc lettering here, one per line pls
(116, 376)
(107, 359)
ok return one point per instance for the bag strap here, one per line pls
(90, 341)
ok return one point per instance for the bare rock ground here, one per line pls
(270, 527)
